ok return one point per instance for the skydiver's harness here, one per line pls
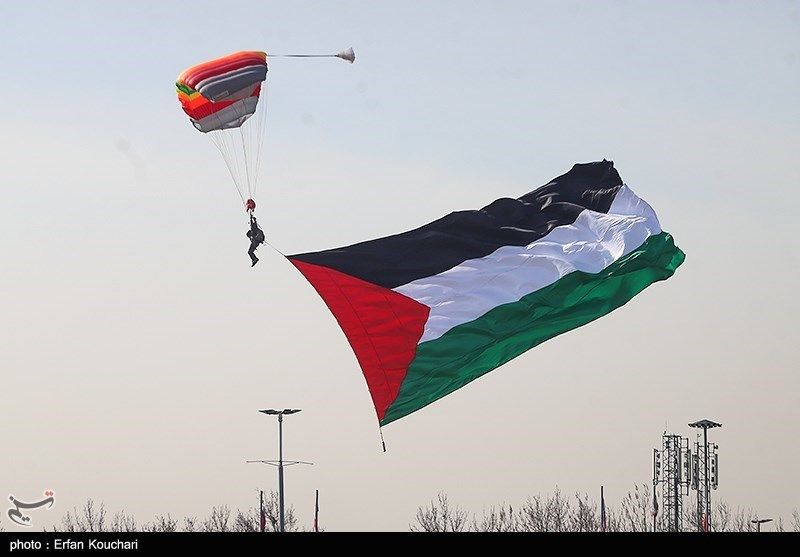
(255, 233)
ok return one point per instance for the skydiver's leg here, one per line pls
(252, 253)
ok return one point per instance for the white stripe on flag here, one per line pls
(592, 243)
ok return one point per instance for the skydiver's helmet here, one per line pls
(250, 205)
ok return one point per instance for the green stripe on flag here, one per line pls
(472, 349)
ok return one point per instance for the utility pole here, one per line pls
(280, 463)
(280, 470)
(706, 476)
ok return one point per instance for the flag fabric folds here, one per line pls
(430, 310)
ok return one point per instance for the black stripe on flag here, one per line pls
(442, 244)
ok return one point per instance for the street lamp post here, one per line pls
(280, 464)
(759, 521)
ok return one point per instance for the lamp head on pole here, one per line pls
(273, 412)
(705, 424)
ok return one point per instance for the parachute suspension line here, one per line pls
(234, 148)
(248, 146)
(231, 159)
(246, 166)
(228, 152)
(245, 135)
(253, 147)
(243, 147)
(236, 154)
(260, 131)
(222, 149)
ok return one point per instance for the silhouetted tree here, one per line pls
(502, 518)
(636, 515)
(123, 522)
(555, 513)
(272, 512)
(545, 514)
(584, 517)
(190, 524)
(162, 523)
(440, 516)
(218, 520)
(93, 518)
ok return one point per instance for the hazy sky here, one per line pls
(136, 343)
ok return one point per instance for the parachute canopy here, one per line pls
(220, 96)
(430, 310)
(223, 93)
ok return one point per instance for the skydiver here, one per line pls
(257, 238)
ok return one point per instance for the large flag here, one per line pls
(430, 310)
